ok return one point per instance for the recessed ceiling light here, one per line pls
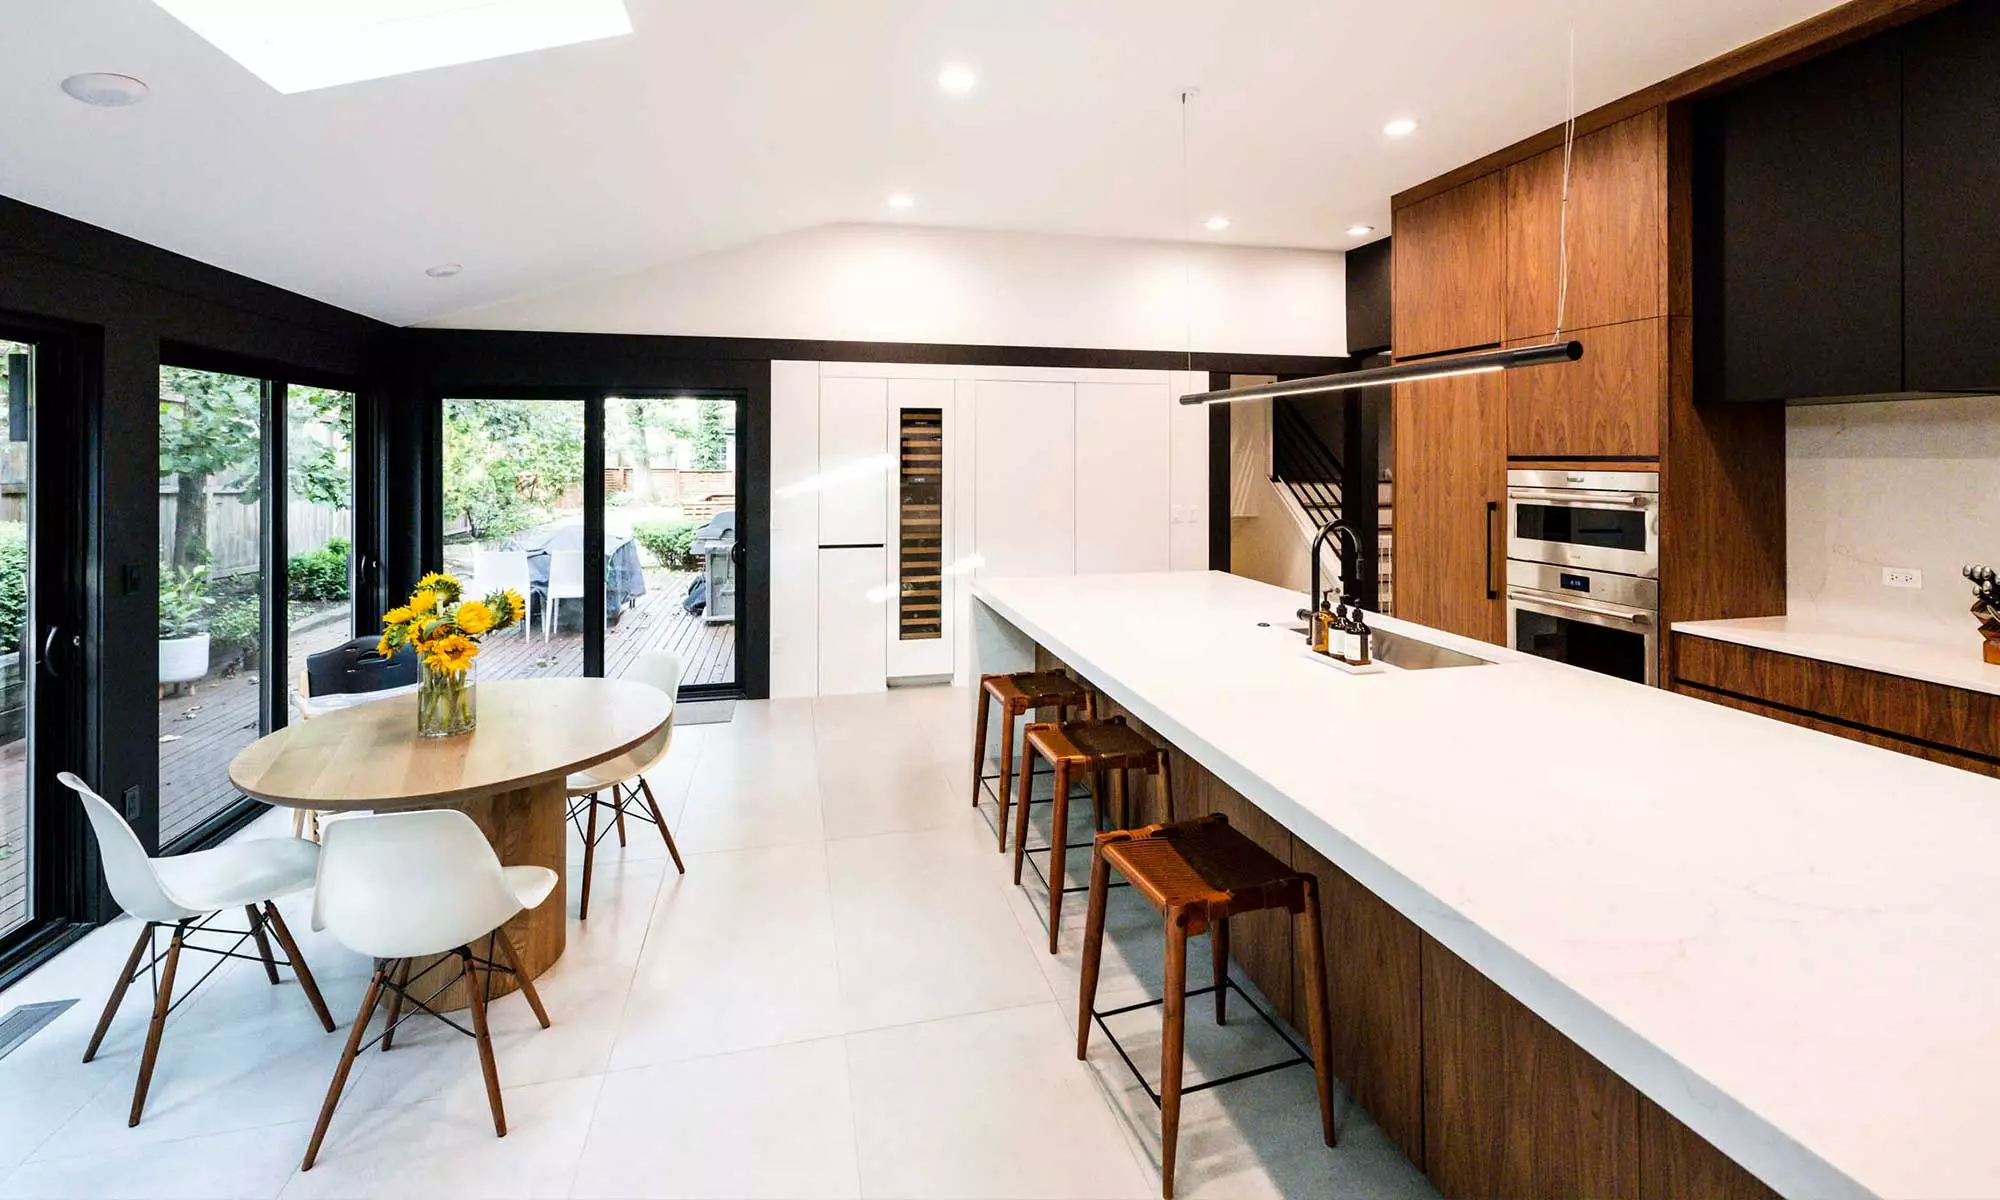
(1400, 127)
(1217, 223)
(1360, 230)
(957, 79)
(902, 200)
(105, 89)
(299, 45)
(443, 270)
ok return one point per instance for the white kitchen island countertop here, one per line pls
(1789, 941)
(1881, 648)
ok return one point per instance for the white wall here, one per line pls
(1048, 471)
(900, 283)
(1908, 483)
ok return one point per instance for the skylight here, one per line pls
(299, 45)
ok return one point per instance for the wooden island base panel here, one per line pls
(1690, 955)
(1483, 1096)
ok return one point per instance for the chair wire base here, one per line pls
(1299, 1055)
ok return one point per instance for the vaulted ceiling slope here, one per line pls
(719, 124)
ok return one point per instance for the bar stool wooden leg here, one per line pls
(1218, 953)
(1021, 810)
(979, 756)
(1163, 783)
(1007, 723)
(1314, 952)
(1093, 949)
(1058, 842)
(1173, 1037)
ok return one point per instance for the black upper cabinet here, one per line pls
(1951, 194)
(1798, 258)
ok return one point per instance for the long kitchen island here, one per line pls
(1586, 937)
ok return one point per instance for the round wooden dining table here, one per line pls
(508, 775)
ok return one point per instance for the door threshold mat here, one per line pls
(704, 712)
(26, 1021)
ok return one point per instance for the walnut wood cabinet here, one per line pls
(1617, 230)
(1449, 288)
(1451, 499)
(1608, 405)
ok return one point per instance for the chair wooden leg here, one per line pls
(1173, 1035)
(117, 996)
(618, 813)
(1058, 842)
(520, 976)
(395, 987)
(1020, 811)
(290, 946)
(979, 755)
(163, 1000)
(263, 942)
(1093, 948)
(589, 859)
(1218, 952)
(1313, 954)
(668, 834)
(355, 1033)
(485, 1040)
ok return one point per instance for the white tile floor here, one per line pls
(844, 996)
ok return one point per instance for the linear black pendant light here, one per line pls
(1481, 363)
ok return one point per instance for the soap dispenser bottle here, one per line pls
(1361, 636)
(1322, 626)
(1341, 639)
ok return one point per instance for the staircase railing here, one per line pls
(1303, 464)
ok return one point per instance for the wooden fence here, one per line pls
(235, 528)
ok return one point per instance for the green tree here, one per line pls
(709, 436)
(506, 462)
(208, 431)
(318, 446)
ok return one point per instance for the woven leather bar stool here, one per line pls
(1017, 695)
(1094, 750)
(1199, 874)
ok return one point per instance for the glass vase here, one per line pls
(445, 705)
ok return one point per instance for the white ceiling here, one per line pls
(716, 124)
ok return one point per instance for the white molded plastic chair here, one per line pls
(403, 886)
(661, 669)
(493, 570)
(565, 583)
(186, 892)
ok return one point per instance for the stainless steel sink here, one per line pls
(1410, 654)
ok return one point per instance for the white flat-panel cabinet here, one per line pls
(1122, 456)
(1024, 491)
(854, 461)
(853, 636)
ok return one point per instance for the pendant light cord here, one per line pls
(1187, 236)
(1562, 225)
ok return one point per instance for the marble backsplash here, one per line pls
(1908, 483)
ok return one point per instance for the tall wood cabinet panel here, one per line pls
(1617, 230)
(1123, 502)
(1024, 477)
(1511, 1107)
(1607, 405)
(1451, 494)
(1450, 270)
(1951, 224)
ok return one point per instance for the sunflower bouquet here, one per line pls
(443, 627)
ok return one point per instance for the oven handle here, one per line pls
(1638, 616)
(1590, 500)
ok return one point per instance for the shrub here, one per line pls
(183, 600)
(318, 575)
(668, 542)
(235, 625)
(13, 584)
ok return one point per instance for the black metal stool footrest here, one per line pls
(1299, 1055)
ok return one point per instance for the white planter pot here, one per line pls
(183, 660)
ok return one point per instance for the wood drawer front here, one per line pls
(1886, 741)
(1952, 719)
(1608, 405)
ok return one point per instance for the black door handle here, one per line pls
(49, 650)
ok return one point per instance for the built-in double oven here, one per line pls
(1583, 569)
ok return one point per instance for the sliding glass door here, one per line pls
(17, 639)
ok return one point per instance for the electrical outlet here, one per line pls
(1902, 577)
(132, 805)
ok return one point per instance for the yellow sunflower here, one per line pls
(424, 601)
(452, 653)
(473, 617)
(397, 616)
(446, 587)
(516, 604)
(383, 647)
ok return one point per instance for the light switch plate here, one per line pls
(1902, 577)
